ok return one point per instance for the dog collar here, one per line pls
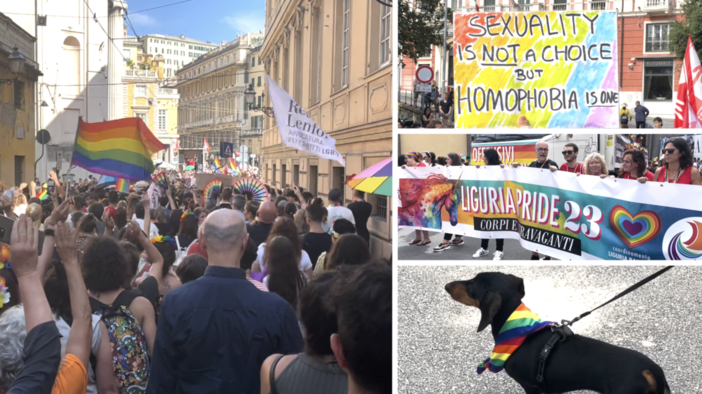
(520, 324)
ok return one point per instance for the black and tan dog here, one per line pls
(578, 363)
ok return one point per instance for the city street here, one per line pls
(513, 250)
(439, 348)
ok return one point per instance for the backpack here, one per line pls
(624, 119)
(180, 252)
(130, 357)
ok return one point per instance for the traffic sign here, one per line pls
(424, 74)
(424, 88)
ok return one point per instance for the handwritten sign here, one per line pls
(559, 69)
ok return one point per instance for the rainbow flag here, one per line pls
(217, 163)
(232, 164)
(43, 195)
(122, 185)
(120, 148)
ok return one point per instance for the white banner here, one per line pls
(154, 193)
(297, 129)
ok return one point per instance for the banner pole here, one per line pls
(75, 141)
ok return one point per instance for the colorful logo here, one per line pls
(683, 240)
(635, 230)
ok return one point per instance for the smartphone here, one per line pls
(51, 185)
(6, 232)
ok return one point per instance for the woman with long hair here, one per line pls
(414, 159)
(287, 229)
(187, 233)
(349, 249)
(430, 159)
(284, 278)
(634, 166)
(595, 165)
(677, 167)
(87, 230)
(491, 158)
(452, 159)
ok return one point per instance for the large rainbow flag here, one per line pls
(120, 148)
(217, 163)
(232, 164)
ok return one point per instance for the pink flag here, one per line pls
(688, 104)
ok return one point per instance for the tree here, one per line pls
(421, 27)
(130, 63)
(691, 25)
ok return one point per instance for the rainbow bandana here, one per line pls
(520, 324)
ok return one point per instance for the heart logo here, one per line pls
(635, 230)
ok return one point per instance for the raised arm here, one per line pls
(59, 214)
(81, 334)
(169, 194)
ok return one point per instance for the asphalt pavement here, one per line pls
(512, 249)
(439, 348)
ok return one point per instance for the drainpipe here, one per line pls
(621, 45)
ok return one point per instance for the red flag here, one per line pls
(477, 8)
(688, 103)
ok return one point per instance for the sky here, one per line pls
(204, 20)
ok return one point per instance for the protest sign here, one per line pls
(154, 193)
(297, 129)
(557, 68)
(521, 152)
(556, 213)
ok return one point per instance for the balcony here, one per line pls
(252, 133)
(507, 8)
(598, 5)
(140, 73)
(658, 5)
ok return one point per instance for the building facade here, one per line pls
(334, 58)
(252, 131)
(72, 51)
(17, 112)
(212, 103)
(177, 51)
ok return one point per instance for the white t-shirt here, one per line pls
(64, 329)
(153, 231)
(305, 262)
(335, 213)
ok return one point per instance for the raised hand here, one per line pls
(24, 245)
(66, 243)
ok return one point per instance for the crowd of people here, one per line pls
(101, 292)
(676, 164)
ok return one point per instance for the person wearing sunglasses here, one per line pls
(570, 154)
(677, 165)
(634, 166)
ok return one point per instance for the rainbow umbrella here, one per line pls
(376, 179)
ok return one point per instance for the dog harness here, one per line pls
(520, 324)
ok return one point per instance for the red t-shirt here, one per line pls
(649, 176)
(579, 168)
(196, 249)
(684, 179)
(422, 164)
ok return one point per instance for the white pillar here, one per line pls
(115, 62)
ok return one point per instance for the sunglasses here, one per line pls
(671, 151)
(568, 152)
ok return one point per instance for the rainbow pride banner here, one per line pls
(557, 68)
(557, 214)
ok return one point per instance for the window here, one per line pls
(657, 37)
(140, 90)
(190, 47)
(182, 53)
(19, 170)
(259, 82)
(658, 80)
(190, 54)
(162, 119)
(385, 35)
(71, 61)
(342, 44)
(253, 62)
(559, 5)
(316, 55)
(19, 96)
(381, 206)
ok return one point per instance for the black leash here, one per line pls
(563, 331)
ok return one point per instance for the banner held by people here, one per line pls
(557, 68)
(297, 129)
(557, 214)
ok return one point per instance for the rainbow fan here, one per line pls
(252, 188)
(122, 185)
(212, 189)
(161, 180)
(43, 195)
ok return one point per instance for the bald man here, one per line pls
(215, 332)
(261, 227)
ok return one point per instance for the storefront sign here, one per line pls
(558, 69)
(556, 213)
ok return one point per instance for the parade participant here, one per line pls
(361, 213)
(445, 108)
(316, 241)
(570, 154)
(421, 237)
(428, 118)
(348, 250)
(284, 278)
(219, 360)
(430, 159)
(336, 211)
(657, 123)
(451, 160)
(285, 228)
(341, 227)
(261, 227)
(491, 158)
(678, 166)
(634, 166)
(315, 370)
(541, 161)
(595, 165)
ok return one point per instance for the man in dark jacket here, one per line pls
(641, 113)
(361, 212)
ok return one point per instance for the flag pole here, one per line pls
(75, 141)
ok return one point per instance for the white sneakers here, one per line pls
(482, 252)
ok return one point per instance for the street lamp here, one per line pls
(250, 96)
(16, 60)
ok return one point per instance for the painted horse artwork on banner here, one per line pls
(423, 199)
